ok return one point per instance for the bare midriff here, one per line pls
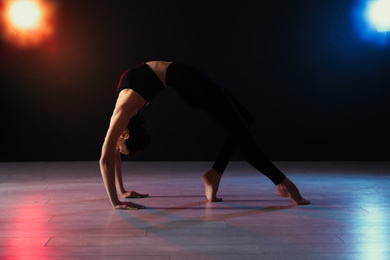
(160, 69)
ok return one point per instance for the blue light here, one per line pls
(371, 19)
(379, 15)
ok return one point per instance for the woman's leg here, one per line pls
(221, 109)
(229, 145)
(199, 90)
(213, 176)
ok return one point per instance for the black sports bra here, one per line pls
(142, 80)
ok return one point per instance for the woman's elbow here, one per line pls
(104, 162)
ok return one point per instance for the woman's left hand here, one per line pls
(133, 195)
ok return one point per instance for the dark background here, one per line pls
(317, 89)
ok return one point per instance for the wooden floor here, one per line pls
(61, 211)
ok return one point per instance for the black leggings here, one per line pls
(197, 89)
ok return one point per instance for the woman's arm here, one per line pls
(107, 159)
(127, 106)
(119, 181)
(118, 173)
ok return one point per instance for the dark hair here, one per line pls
(139, 137)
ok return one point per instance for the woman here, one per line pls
(126, 135)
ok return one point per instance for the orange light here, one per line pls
(25, 14)
(27, 23)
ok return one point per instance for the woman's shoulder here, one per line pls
(130, 100)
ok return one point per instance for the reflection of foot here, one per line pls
(133, 194)
(288, 189)
(129, 205)
(211, 181)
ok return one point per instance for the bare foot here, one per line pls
(133, 194)
(288, 189)
(211, 181)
